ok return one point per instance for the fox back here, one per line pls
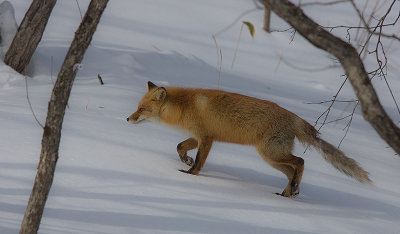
(226, 117)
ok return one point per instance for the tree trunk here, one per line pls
(267, 19)
(372, 110)
(55, 115)
(29, 34)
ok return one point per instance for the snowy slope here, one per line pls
(8, 26)
(113, 177)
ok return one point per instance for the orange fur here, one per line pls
(215, 115)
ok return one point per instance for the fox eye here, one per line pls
(141, 109)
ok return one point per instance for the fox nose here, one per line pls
(127, 119)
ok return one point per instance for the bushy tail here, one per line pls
(307, 134)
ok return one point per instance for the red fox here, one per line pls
(215, 115)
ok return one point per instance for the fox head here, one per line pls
(150, 105)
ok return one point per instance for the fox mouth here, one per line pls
(134, 121)
(138, 121)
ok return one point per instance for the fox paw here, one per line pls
(188, 161)
(186, 171)
(190, 171)
(289, 195)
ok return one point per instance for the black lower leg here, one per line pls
(294, 185)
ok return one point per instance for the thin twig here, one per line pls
(29, 102)
(322, 3)
(237, 46)
(79, 8)
(219, 59)
(349, 123)
(330, 101)
(391, 93)
(220, 68)
(278, 64)
(284, 30)
(100, 79)
(338, 119)
(328, 110)
(307, 69)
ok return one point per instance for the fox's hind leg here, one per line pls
(292, 167)
(277, 153)
(184, 147)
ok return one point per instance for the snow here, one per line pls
(114, 177)
(8, 26)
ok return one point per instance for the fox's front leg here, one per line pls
(201, 156)
(184, 147)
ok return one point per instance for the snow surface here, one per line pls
(114, 177)
(8, 26)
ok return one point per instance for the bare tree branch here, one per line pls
(371, 29)
(322, 3)
(351, 62)
(364, 39)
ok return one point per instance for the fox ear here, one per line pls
(150, 86)
(160, 94)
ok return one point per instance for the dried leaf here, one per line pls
(250, 26)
